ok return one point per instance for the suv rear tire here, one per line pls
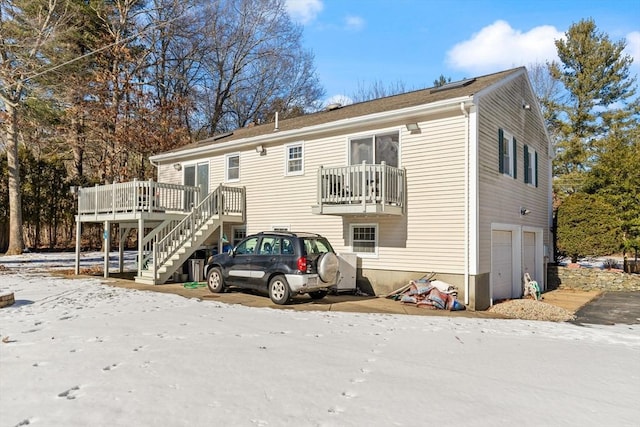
(215, 282)
(279, 291)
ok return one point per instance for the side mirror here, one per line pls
(232, 253)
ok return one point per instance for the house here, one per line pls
(454, 180)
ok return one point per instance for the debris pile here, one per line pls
(434, 294)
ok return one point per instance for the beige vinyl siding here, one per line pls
(431, 235)
(500, 197)
(168, 174)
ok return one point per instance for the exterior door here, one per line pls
(501, 264)
(529, 255)
(197, 175)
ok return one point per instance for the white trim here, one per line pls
(474, 189)
(287, 159)
(226, 167)
(364, 254)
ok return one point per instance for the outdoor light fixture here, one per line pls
(524, 211)
(177, 166)
(413, 127)
(261, 150)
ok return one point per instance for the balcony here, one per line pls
(360, 189)
(135, 199)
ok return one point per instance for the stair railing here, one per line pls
(165, 247)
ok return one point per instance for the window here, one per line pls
(295, 157)
(239, 233)
(375, 149)
(530, 166)
(507, 149)
(364, 238)
(232, 167)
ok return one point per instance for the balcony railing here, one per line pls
(137, 196)
(376, 188)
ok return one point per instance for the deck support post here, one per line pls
(140, 245)
(78, 240)
(106, 242)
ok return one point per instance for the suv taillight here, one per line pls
(302, 264)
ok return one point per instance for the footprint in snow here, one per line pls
(110, 367)
(70, 394)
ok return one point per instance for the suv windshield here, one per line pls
(314, 245)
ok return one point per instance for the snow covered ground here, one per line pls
(77, 352)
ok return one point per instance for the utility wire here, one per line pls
(93, 52)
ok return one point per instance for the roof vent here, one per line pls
(333, 106)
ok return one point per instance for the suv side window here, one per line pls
(247, 247)
(269, 246)
(287, 247)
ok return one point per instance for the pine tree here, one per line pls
(600, 96)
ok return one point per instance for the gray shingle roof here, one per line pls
(380, 105)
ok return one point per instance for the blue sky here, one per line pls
(360, 42)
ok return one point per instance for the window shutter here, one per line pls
(515, 158)
(527, 178)
(501, 150)
(536, 167)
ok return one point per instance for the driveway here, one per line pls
(610, 308)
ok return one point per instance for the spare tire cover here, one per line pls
(328, 267)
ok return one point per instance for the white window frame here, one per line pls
(530, 173)
(227, 157)
(288, 160)
(508, 154)
(373, 135)
(352, 228)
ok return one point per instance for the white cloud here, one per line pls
(304, 11)
(354, 23)
(498, 47)
(633, 48)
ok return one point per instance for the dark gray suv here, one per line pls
(282, 263)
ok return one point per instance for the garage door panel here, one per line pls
(501, 264)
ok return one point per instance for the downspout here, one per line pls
(466, 203)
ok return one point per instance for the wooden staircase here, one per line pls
(171, 244)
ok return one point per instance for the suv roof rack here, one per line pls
(289, 233)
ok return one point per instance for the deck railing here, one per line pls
(364, 183)
(137, 196)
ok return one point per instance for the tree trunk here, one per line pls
(16, 241)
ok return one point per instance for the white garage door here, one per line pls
(501, 265)
(529, 255)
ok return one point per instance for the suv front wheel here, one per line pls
(215, 282)
(279, 291)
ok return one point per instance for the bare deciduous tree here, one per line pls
(28, 29)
